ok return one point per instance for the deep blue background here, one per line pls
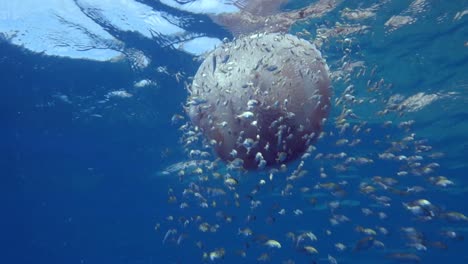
(78, 189)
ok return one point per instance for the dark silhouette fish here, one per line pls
(364, 244)
(214, 63)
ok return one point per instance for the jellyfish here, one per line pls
(261, 99)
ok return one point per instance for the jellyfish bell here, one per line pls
(261, 99)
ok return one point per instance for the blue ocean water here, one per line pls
(81, 167)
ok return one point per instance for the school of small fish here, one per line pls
(335, 185)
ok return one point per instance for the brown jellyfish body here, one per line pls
(261, 100)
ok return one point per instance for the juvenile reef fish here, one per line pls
(273, 244)
(404, 257)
